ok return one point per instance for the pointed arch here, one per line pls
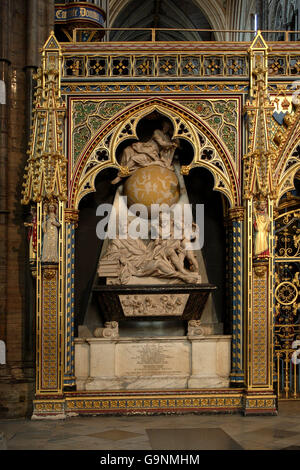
(290, 167)
(288, 160)
(186, 126)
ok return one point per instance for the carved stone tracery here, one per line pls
(207, 147)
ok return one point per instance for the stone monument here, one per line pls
(154, 275)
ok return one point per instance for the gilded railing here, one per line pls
(85, 54)
(92, 34)
(155, 65)
(174, 65)
(287, 305)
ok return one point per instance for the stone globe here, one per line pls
(152, 185)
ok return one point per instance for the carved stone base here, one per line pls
(146, 403)
(53, 409)
(260, 403)
(152, 363)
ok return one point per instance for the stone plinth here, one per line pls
(152, 363)
(210, 361)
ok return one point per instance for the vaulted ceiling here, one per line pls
(202, 14)
(162, 14)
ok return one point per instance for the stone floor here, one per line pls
(185, 432)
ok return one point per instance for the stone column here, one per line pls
(18, 370)
(235, 222)
(260, 398)
(48, 379)
(4, 77)
(71, 219)
(19, 51)
(50, 321)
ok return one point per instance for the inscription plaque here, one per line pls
(148, 359)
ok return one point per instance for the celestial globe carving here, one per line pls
(152, 185)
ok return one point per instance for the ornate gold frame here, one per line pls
(268, 172)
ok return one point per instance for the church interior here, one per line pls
(150, 225)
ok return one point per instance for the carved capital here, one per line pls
(185, 170)
(72, 216)
(236, 213)
(261, 268)
(33, 273)
(49, 272)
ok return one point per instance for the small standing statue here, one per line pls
(262, 228)
(32, 234)
(50, 240)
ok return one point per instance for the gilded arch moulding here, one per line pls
(186, 126)
(291, 167)
(289, 161)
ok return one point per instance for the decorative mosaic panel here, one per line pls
(259, 346)
(154, 404)
(288, 64)
(260, 405)
(190, 65)
(210, 151)
(136, 402)
(155, 65)
(222, 116)
(70, 88)
(88, 116)
(49, 329)
(144, 66)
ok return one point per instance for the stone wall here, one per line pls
(24, 28)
